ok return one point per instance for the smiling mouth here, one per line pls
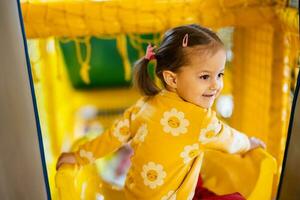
(208, 95)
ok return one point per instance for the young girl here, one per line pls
(170, 129)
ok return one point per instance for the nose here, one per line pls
(214, 85)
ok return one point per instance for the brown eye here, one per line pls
(220, 75)
(204, 77)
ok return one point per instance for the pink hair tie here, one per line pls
(150, 55)
(185, 40)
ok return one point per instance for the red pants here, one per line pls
(202, 193)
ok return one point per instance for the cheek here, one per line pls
(202, 86)
(197, 87)
(183, 84)
(187, 90)
(220, 88)
(221, 85)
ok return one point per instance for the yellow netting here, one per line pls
(79, 18)
(122, 47)
(288, 19)
(85, 66)
(264, 60)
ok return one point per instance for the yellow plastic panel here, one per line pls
(251, 175)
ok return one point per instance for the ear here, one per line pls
(170, 78)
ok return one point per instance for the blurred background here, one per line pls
(82, 54)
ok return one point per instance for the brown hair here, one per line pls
(171, 55)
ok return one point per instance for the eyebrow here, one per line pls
(222, 70)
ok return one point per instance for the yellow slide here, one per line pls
(251, 174)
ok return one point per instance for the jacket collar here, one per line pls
(176, 98)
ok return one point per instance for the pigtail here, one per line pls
(142, 78)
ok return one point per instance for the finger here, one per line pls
(58, 164)
(60, 160)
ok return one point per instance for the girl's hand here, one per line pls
(255, 143)
(66, 158)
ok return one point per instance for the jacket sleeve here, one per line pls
(217, 135)
(109, 141)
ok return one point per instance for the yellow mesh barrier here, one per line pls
(262, 92)
(79, 18)
(289, 19)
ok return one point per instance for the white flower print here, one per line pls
(173, 122)
(136, 109)
(153, 174)
(121, 130)
(86, 154)
(208, 134)
(170, 196)
(189, 152)
(141, 133)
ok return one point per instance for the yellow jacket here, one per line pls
(168, 136)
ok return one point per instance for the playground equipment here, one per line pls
(264, 44)
(252, 175)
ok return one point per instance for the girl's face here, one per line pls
(201, 81)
